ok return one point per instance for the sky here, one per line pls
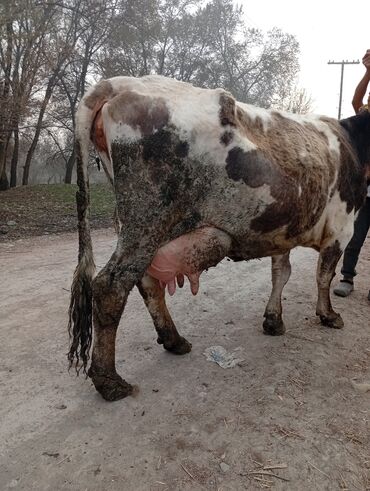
(326, 30)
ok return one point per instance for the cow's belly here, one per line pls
(189, 255)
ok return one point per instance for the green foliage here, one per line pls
(51, 208)
(64, 197)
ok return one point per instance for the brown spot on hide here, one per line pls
(295, 161)
(251, 167)
(226, 138)
(248, 123)
(182, 149)
(227, 110)
(159, 146)
(102, 90)
(139, 111)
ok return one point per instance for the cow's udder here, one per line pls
(188, 255)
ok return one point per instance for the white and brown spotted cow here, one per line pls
(197, 177)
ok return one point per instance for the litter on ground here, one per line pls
(219, 355)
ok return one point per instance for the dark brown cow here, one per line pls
(197, 177)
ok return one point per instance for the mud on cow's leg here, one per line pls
(110, 290)
(146, 217)
(154, 298)
(328, 259)
(281, 269)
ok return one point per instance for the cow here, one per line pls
(199, 177)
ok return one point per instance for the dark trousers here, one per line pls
(353, 249)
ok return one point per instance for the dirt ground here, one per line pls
(294, 415)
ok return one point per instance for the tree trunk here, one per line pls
(5, 105)
(69, 168)
(14, 162)
(31, 150)
(4, 183)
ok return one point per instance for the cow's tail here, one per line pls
(80, 308)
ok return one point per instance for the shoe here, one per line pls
(344, 288)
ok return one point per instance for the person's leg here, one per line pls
(352, 251)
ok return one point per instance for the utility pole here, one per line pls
(342, 63)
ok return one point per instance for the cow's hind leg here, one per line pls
(328, 259)
(110, 291)
(281, 269)
(154, 298)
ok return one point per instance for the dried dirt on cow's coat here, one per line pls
(291, 416)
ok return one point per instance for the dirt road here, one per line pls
(292, 416)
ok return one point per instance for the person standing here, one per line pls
(362, 223)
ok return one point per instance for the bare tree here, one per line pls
(39, 42)
(72, 82)
(26, 28)
(130, 45)
(62, 38)
(208, 45)
(50, 50)
(5, 97)
(297, 101)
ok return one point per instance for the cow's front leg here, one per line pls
(154, 298)
(328, 259)
(281, 269)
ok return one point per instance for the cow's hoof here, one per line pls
(273, 325)
(334, 321)
(110, 386)
(179, 347)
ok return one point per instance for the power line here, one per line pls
(342, 63)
